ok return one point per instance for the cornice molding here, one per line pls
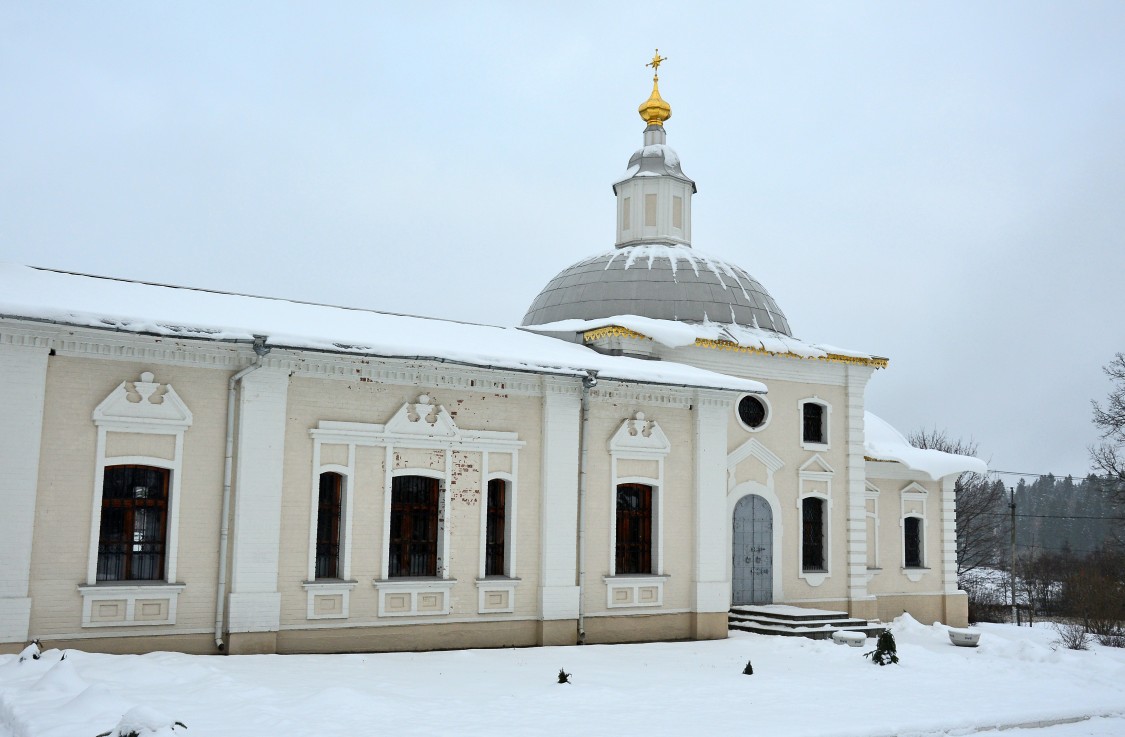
(761, 366)
(83, 342)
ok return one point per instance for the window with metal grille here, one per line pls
(912, 542)
(495, 528)
(813, 423)
(413, 545)
(812, 534)
(634, 529)
(133, 524)
(328, 514)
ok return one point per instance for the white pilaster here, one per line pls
(711, 582)
(23, 379)
(857, 377)
(255, 604)
(558, 520)
(949, 535)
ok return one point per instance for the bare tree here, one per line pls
(1109, 456)
(980, 504)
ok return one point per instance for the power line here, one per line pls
(1054, 516)
(1056, 475)
(1058, 550)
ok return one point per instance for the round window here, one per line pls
(752, 412)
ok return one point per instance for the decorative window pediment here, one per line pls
(145, 402)
(753, 447)
(423, 417)
(914, 489)
(638, 436)
(816, 467)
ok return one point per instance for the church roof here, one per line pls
(45, 295)
(662, 282)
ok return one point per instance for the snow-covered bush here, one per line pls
(143, 721)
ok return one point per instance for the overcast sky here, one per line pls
(939, 183)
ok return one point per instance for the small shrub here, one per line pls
(564, 677)
(1112, 639)
(748, 670)
(886, 651)
(1072, 636)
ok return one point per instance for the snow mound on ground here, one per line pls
(62, 677)
(1013, 678)
(906, 624)
(145, 721)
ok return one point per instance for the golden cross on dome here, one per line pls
(657, 60)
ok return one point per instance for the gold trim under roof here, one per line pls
(612, 331)
(616, 331)
(654, 110)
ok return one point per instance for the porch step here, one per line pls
(778, 619)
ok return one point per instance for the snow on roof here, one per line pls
(884, 443)
(99, 302)
(676, 334)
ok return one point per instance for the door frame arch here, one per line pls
(734, 496)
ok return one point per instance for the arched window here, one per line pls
(413, 544)
(812, 534)
(912, 542)
(328, 518)
(634, 529)
(495, 528)
(134, 523)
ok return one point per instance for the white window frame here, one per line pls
(443, 479)
(914, 501)
(826, 424)
(132, 408)
(814, 479)
(765, 403)
(420, 425)
(509, 480)
(317, 589)
(347, 473)
(640, 439)
(871, 513)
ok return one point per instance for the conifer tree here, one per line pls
(886, 651)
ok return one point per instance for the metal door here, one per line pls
(753, 551)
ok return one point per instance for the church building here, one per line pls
(206, 472)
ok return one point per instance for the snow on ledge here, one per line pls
(116, 304)
(884, 443)
(675, 334)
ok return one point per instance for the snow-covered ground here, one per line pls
(799, 687)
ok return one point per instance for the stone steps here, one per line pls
(790, 621)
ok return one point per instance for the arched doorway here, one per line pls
(752, 573)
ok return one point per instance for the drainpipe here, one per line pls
(260, 350)
(589, 381)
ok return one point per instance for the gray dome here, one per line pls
(661, 282)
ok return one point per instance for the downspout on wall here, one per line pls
(260, 350)
(588, 382)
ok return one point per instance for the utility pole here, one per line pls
(1012, 575)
